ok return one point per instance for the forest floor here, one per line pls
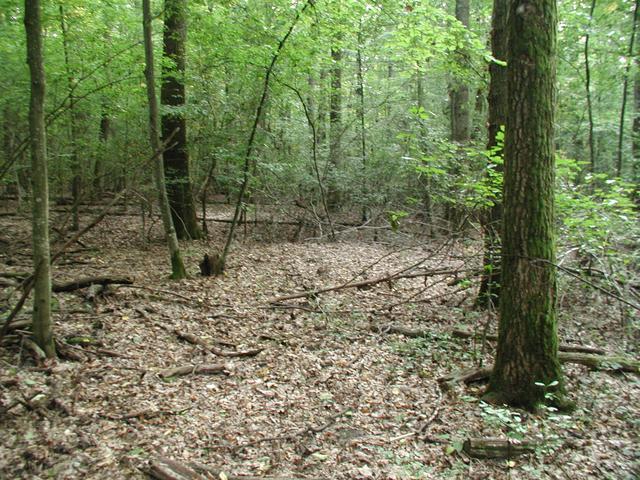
(329, 396)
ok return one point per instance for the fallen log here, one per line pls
(595, 362)
(601, 362)
(194, 369)
(564, 347)
(87, 282)
(497, 447)
(194, 340)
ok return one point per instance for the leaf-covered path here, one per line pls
(325, 398)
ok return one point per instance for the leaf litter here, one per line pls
(327, 397)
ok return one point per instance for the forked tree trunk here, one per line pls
(528, 341)
(42, 332)
(489, 293)
(174, 125)
(177, 266)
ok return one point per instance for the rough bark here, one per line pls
(489, 292)
(527, 350)
(174, 125)
(42, 331)
(177, 266)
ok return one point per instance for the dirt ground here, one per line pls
(326, 397)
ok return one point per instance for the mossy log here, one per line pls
(497, 447)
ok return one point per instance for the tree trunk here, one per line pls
(335, 127)
(587, 86)
(459, 91)
(76, 182)
(636, 134)
(460, 117)
(42, 331)
(625, 85)
(424, 177)
(489, 293)
(527, 350)
(361, 112)
(177, 266)
(174, 125)
(104, 136)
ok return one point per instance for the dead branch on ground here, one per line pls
(194, 340)
(87, 282)
(194, 369)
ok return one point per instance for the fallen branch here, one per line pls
(365, 283)
(601, 362)
(462, 333)
(595, 362)
(194, 369)
(194, 340)
(87, 282)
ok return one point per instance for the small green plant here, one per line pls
(502, 418)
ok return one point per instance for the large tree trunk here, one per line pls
(489, 293)
(177, 266)
(528, 342)
(174, 125)
(335, 127)
(38, 143)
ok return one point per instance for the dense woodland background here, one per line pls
(352, 144)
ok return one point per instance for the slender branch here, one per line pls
(254, 128)
(316, 169)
